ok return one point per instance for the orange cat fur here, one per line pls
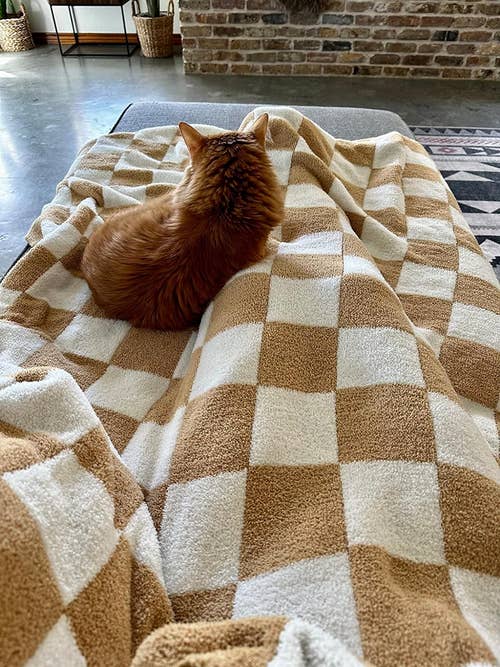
(158, 265)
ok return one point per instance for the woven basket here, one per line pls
(15, 33)
(155, 35)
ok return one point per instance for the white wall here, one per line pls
(90, 19)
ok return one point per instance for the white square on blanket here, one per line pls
(320, 243)
(318, 590)
(354, 173)
(201, 532)
(93, 337)
(471, 263)
(422, 187)
(377, 355)
(426, 281)
(58, 648)
(311, 302)
(394, 505)
(381, 242)
(459, 441)
(129, 392)
(293, 428)
(475, 324)
(230, 357)
(307, 195)
(430, 229)
(149, 451)
(75, 516)
(384, 196)
(60, 289)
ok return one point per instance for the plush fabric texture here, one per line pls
(322, 450)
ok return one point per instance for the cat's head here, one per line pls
(215, 150)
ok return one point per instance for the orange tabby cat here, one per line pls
(158, 265)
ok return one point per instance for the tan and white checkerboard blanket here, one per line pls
(317, 460)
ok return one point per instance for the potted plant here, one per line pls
(154, 28)
(15, 33)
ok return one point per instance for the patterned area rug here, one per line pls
(469, 159)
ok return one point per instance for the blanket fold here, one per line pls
(309, 478)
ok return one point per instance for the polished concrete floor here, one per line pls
(50, 106)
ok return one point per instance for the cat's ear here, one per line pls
(259, 129)
(194, 140)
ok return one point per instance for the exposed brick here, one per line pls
(227, 31)
(240, 17)
(457, 8)
(212, 18)
(353, 32)
(460, 49)
(414, 34)
(475, 36)
(366, 70)
(483, 73)
(277, 44)
(338, 19)
(189, 43)
(368, 45)
(198, 55)
(190, 68)
(422, 7)
(352, 57)
(385, 59)
(267, 5)
(304, 18)
(324, 32)
(405, 20)
(493, 23)
(233, 56)
(307, 44)
(336, 46)
(186, 17)
(452, 73)
(492, 7)
(401, 47)
(194, 4)
(337, 70)
(444, 35)
(449, 61)
(246, 68)
(387, 7)
(291, 57)
(213, 43)
(385, 33)
(228, 4)
(246, 44)
(468, 21)
(491, 49)
(287, 31)
(274, 18)
(213, 68)
(356, 6)
(259, 31)
(277, 69)
(430, 47)
(437, 21)
(395, 71)
(262, 57)
(474, 61)
(196, 31)
(417, 60)
(307, 68)
(322, 57)
(425, 72)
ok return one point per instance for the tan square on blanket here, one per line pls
(270, 539)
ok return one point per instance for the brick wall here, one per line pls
(405, 38)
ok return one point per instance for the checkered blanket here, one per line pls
(309, 477)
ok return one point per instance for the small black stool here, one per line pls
(71, 4)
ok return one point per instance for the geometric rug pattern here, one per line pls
(469, 160)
